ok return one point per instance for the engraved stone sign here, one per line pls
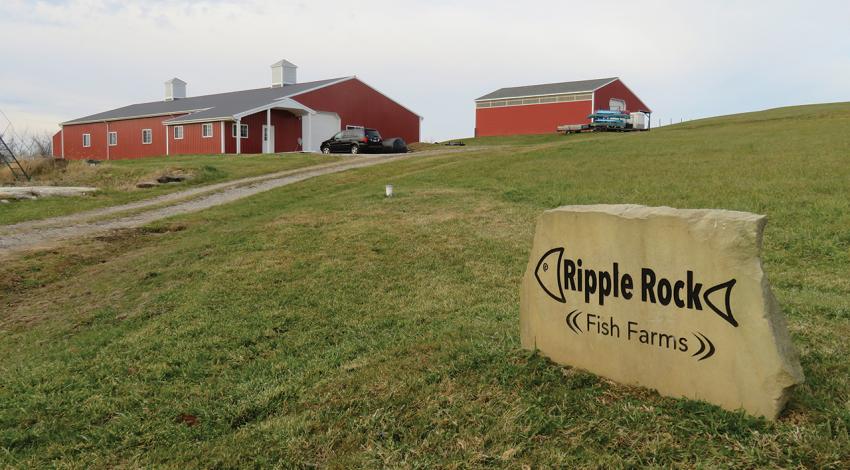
(670, 299)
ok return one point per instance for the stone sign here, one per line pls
(674, 300)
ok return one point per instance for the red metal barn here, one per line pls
(540, 109)
(285, 117)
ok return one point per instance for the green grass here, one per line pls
(526, 139)
(321, 324)
(117, 180)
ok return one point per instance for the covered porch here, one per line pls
(281, 126)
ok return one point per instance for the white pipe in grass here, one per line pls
(389, 190)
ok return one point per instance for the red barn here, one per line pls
(286, 117)
(540, 109)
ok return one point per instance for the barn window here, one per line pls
(178, 132)
(498, 104)
(244, 130)
(531, 101)
(86, 140)
(583, 97)
(548, 99)
(147, 136)
(616, 104)
(113, 139)
(207, 130)
(563, 98)
(514, 102)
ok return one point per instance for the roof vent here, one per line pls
(283, 73)
(175, 89)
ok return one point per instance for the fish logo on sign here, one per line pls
(551, 260)
(557, 275)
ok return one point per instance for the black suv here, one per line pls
(354, 141)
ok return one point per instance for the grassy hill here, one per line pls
(116, 179)
(322, 324)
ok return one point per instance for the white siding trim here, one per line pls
(479, 100)
(529, 101)
(141, 116)
(222, 136)
(284, 103)
(178, 121)
(549, 94)
(238, 136)
(267, 133)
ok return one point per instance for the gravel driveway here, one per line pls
(48, 232)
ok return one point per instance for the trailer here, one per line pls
(574, 128)
(609, 121)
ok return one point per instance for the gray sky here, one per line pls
(685, 59)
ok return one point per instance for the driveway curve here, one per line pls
(49, 232)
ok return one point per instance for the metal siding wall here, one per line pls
(229, 141)
(254, 142)
(530, 119)
(287, 131)
(57, 145)
(130, 138)
(193, 142)
(74, 149)
(358, 104)
(616, 89)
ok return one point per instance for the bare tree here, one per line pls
(26, 145)
(42, 144)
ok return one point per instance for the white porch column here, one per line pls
(238, 136)
(107, 140)
(221, 133)
(268, 138)
(307, 144)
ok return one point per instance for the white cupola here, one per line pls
(284, 73)
(175, 89)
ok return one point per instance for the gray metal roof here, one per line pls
(284, 62)
(221, 105)
(548, 89)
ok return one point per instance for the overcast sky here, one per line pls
(685, 59)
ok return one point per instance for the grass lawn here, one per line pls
(321, 324)
(117, 180)
(528, 139)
